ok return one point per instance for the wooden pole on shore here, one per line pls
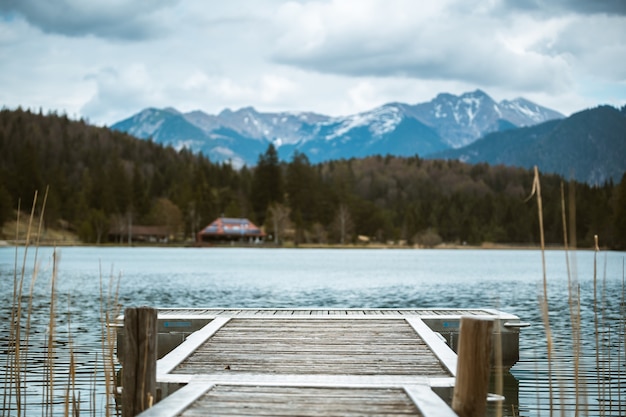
(140, 356)
(473, 367)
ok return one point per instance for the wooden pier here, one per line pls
(308, 361)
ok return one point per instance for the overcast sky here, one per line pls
(108, 59)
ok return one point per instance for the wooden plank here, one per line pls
(446, 356)
(288, 399)
(310, 380)
(351, 338)
(314, 346)
(225, 400)
(175, 404)
(401, 312)
(322, 380)
(429, 403)
(169, 362)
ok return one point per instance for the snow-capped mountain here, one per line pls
(448, 121)
(460, 120)
(276, 127)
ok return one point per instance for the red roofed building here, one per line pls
(226, 229)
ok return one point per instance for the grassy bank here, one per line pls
(16, 232)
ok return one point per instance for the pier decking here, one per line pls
(308, 361)
(313, 346)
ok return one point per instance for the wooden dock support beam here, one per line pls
(473, 366)
(139, 366)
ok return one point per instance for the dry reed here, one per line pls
(109, 309)
(15, 332)
(545, 310)
(8, 375)
(603, 324)
(573, 292)
(15, 398)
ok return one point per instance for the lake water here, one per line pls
(345, 278)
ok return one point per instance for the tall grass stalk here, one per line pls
(32, 286)
(15, 332)
(19, 338)
(18, 375)
(8, 376)
(622, 341)
(595, 309)
(93, 389)
(545, 311)
(72, 399)
(18, 326)
(605, 326)
(28, 320)
(109, 309)
(50, 352)
(573, 290)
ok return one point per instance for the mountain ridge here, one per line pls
(447, 121)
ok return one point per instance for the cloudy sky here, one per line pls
(108, 59)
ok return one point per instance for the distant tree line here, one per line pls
(100, 178)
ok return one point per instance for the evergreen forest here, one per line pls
(97, 178)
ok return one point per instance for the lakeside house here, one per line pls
(230, 230)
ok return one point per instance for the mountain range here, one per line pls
(588, 146)
(447, 121)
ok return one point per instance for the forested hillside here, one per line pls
(589, 146)
(98, 178)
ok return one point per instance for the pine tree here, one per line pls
(267, 183)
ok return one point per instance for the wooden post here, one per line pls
(140, 356)
(473, 367)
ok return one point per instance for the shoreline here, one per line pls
(371, 246)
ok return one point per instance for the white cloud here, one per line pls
(599, 49)
(275, 87)
(118, 92)
(403, 38)
(107, 60)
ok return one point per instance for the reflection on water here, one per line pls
(275, 278)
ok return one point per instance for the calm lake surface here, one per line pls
(508, 280)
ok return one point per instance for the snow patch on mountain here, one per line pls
(379, 121)
(527, 109)
(385, 120)
(438, 113)
(146, 129)
(146, 123)
(472, 105)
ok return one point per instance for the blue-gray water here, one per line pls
(232, 277)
